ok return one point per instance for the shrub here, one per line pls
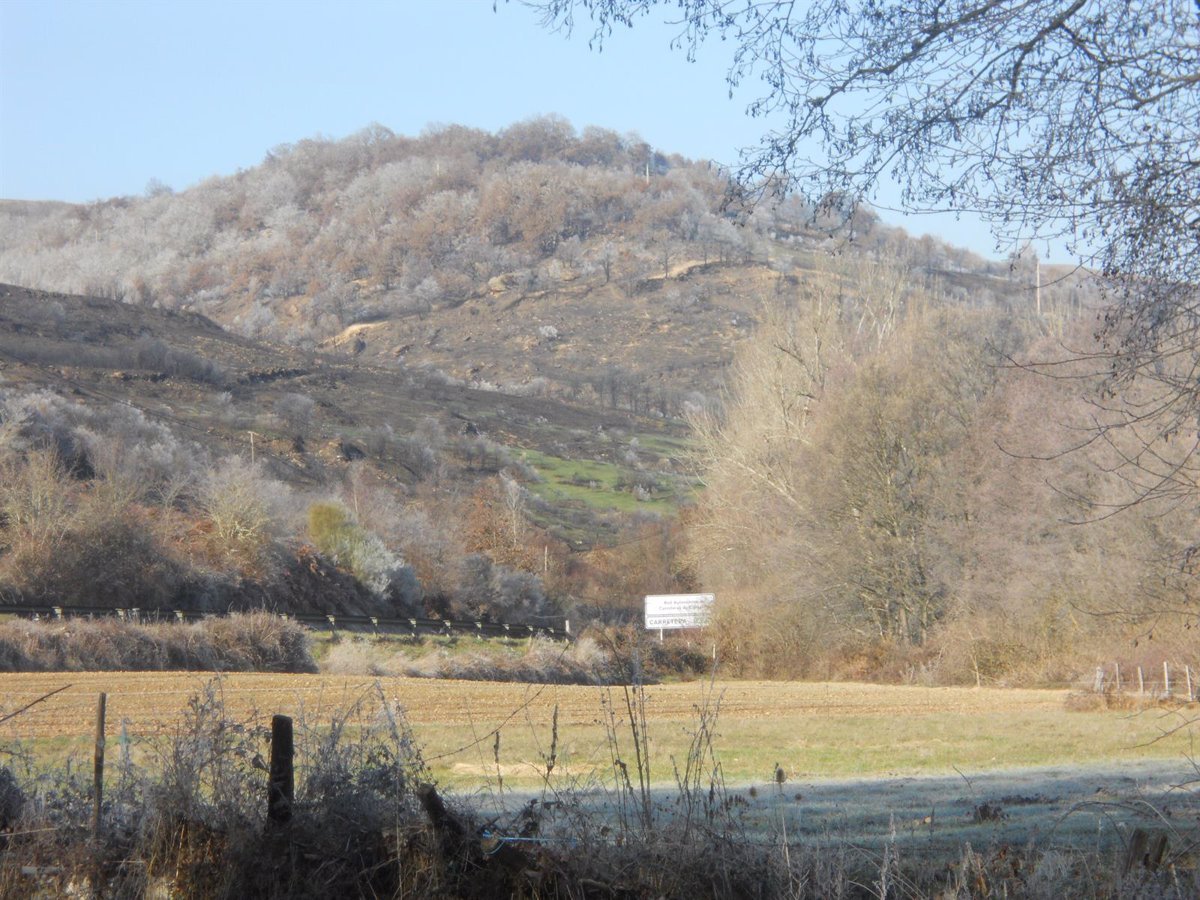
(246, 642)
(153, 353)
(257, 642)
(296, 411)
(497, 593)
(632, 655)
(348, 544)
(539, 662)
(190, 814)
(233, 499)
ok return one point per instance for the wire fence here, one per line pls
(1171, 681)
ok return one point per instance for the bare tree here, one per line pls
(748, 523)
(296, 411)
(1057, 116)
(1069, 119)
(238, 514)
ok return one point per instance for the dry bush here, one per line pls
(759, 633)
(188, 818)
(115, 442)
(497, 593)
(80, 645)
(248, 642)
(540, 662)
(110, 555)
(258, 642)
(496, 524)
(356, 657)
(637, 657)
(235, 500)
(608, 584)
(427, 546)
(102, 508)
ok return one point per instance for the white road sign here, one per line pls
(678, 610)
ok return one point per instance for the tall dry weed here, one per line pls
(243, 642)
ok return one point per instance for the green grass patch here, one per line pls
(665, 445)
(597, 485)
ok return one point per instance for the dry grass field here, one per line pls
(812, 731)
(969, 787)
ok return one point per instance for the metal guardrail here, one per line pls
(412, 626)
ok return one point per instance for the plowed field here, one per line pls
(810, 730)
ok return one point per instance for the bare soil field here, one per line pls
(810, 731)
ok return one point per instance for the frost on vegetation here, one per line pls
(252, 642)
(631, 455)
(336, 534)
(484, 453)
(418, 451)
(155, 354)
(314, 221)
(243, 507)
(433, 376)
(497, 592)
(184, 810)
(538, 661)
(296, 411)
(116, 441)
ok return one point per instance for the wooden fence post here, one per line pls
(1187, 671)
(98, 767)
(281, 785)
(1145, 849)
(1166, 680)
(1117, 673)
(1141, 682)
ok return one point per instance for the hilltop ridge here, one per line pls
(535, 260)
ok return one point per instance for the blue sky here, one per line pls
(97, 98)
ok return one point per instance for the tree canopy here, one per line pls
(1075, 120)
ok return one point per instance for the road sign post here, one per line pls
(665, 611)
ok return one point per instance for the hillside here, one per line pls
(313, 413)
(149, 458)
(537, 261)
(540, 374)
